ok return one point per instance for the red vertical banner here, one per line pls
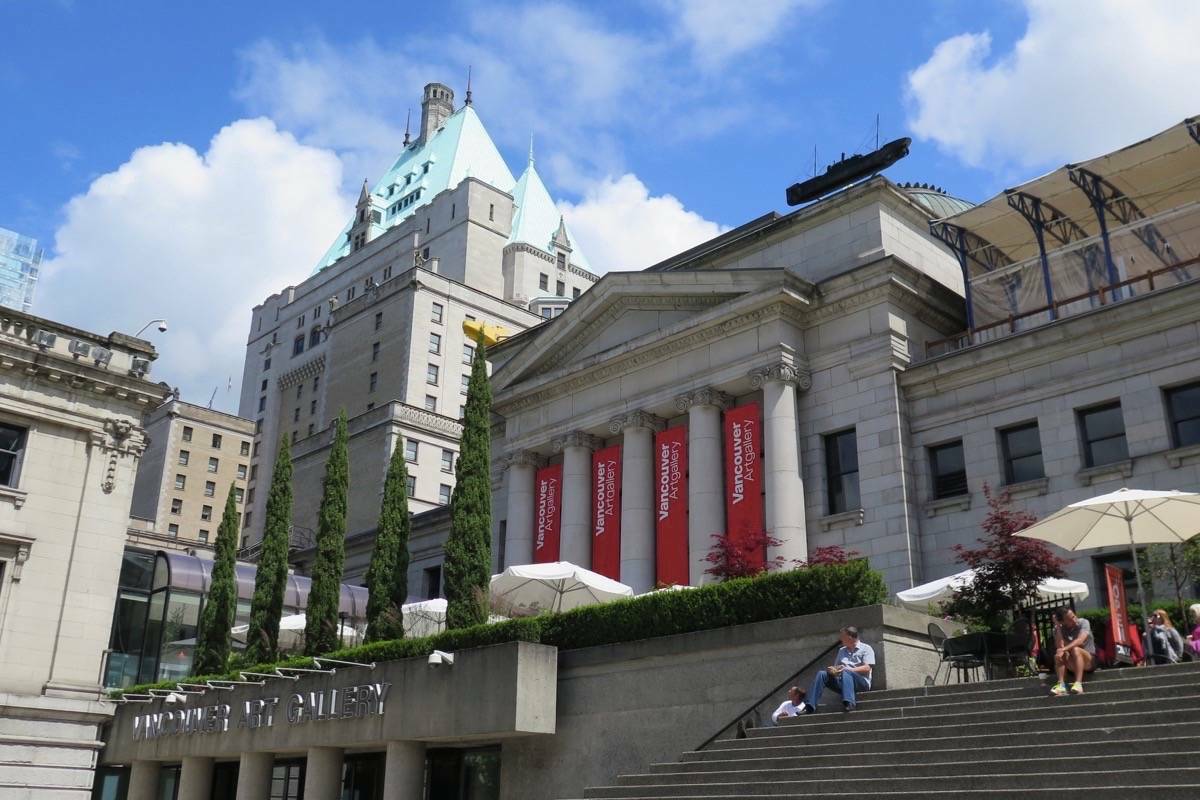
(1118, 615)
(547, 513)
(744, 521)
(606, 512)
(671, 508)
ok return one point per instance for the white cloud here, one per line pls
(718, 30)
(621, 226)
(1087, 76)
(198, 239)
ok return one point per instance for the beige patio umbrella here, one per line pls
(1124, 517)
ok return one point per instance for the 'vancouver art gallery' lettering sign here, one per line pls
(350, 702)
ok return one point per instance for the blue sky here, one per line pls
(184, 163)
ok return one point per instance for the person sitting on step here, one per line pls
(850, 672)
(1074, 649)
(794, 706)
(1166, 643)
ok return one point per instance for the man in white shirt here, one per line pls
(850, 672)
(792, 707)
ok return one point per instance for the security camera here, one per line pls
(439, 657)
(162, 326)
(175, 697)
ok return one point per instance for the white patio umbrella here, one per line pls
(919, 597)
(291, 632)
(424, 617)
(1124, 517)
(558, 586)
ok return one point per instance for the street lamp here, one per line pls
(162, 327)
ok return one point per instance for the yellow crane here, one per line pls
(484, 332)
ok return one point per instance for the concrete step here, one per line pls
(941, 755)
(866, 783)
(1119, 790)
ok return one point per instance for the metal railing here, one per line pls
(774, 693)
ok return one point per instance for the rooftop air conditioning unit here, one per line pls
(79, 348)
(101, 356)
(140, 367)
(44, 339)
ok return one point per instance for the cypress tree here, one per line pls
(220, 607)
(262, 640)
(468, 564)
(387, 576)
(324, 598)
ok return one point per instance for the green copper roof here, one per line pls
(537, 218)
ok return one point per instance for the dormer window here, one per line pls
(362, 214)
(425, 169)
(561, 259)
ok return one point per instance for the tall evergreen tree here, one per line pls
(387, 576)
(324, 597)
(262, 640)
(220, 607)
(469, 547)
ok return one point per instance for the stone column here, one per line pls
(637, 497)
(404, 771)
(195, 778)
(706, 476)
(254, 776)
(519, 537)
(781, 441)
(143, 781)
(577, 450)
(323, 774)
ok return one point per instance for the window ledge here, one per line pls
(15, 496)
(1176, 457)
(1033, 488)
(1117, 469)
(942, 505)
(845, 519)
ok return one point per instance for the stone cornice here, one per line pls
(705, 396)
(636, 419)
(576, 439)
(522, 458)
(302, 373)
(22, 365)
(781, 373)
(420, 418)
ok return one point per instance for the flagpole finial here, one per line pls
(407, 125)
(531, 148)
(468, 98)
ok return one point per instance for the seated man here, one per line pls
(850, 672)
(792, 707)
(1074, 649)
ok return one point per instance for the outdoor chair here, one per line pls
(943, 646)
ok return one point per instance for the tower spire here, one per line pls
(407, 123)
(467, 101)
(531, 148)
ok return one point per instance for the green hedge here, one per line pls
(825, 587)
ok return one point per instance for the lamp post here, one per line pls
(162, 327)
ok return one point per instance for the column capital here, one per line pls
(781, 373)
(706, 396)
(576, 439)
(636, 419)
(523, 458)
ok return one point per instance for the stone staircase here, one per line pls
(1134, 733)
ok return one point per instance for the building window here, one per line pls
(300, 321)
(411, 447)
(1021, 448)
(295, 436)
(206, 513)
(841, 471)
(246, 521)
(411, 485)
(184, 457)
(213, 464)
(264, 384)
(180, 481)
(543, 281)
(187, 433)
(216, 441)
(560, 260)
(436, 316)
(311, 426)
(296, 414)
(257, 430)
(239, 494)
(491, 212)
(466, 382)
(372, 381)
(444, 495)
(468, 354)
(316, 312)
(245, 449)
(1183, 409)
(430, 403)
(353, 290)
(299, 390)
(172, 530)
(1103, 432)
(241, 471)
(266, 364)
(462, 412)
(262, 403)
(314, 338)
(316, 383)
(250, 495)
(447, 460)
(949, 470)
(253, 472)
(433, 582)
(374, 351)
(378, 320)
(575, 293)
(210, 489)
(255, 451)
(560, 289)
(312, 407)
(431, 374)
(203, 536)
(176, 505)
(298, 345)
(387, 272)
(435, 343)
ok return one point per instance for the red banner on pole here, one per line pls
(547, 513)
(1118, 616)
(744, 479)
(606, 512)
(671, 508)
